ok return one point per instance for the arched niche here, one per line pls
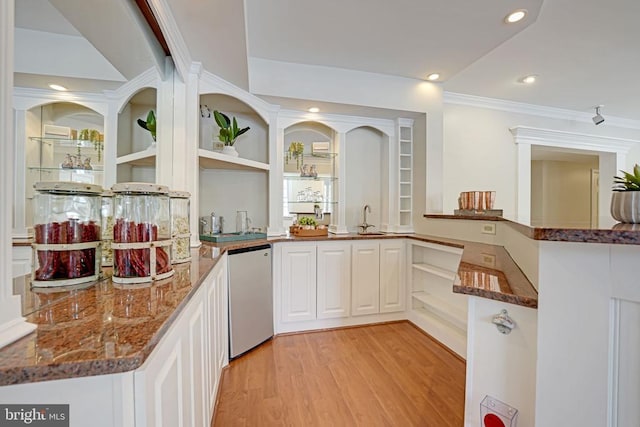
(227, 187)
(135, 150)
(56, 148)
(253, 145)
(367, 182)
(309, 178)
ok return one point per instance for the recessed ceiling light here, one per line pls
(529, 79)
(515, 16)
(314, 109)
(433, 76)
(57, 87)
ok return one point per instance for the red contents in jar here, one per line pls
(66, 264)
(136, 262)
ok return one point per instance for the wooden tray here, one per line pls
(301, 232)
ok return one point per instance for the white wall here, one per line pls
(364, 176)
(225, 192)
(561, 193)
(367, 89)
(480, 153)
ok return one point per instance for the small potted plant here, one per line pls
(149, 125)
(295, 151)
(229, 132)
(625, 201)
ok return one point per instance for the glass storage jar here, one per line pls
(141, 233)
(66, 248)
(180, 226)
(107, 228)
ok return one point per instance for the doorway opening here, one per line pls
(564, 188)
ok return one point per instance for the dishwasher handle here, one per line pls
(249, 249)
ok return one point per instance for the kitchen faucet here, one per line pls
(364, 224)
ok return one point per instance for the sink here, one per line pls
(371, 233)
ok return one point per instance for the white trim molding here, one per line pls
(534, 110)
(571, 140)
(611, 152)
(12, 325)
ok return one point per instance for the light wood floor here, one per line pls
(378, 375)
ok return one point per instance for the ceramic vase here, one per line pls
(230, 150)
(625, 206)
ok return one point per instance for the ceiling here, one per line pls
(583, 51)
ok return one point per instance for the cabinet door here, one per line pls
(334, 280)
(165, 382)
(217, 336)
(365, 278)
(298, 283)
(392, 276)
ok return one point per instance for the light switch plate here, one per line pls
(488, 228)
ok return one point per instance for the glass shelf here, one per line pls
(65, 142)
(98, 169)
(309, 178)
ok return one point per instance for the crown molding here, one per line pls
(580, 141)
(532, 109)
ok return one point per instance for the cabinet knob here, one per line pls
(503, 322)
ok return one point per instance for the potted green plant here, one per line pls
(229, 132)
(149, 125)
(295, 151)
(625, 201)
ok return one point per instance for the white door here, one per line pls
(298, 283)
(392, 276)
(365, 278)
(334, 280)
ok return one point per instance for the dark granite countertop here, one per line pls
(618, 234)
(105, 328)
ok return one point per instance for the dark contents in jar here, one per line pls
(136, 262)
(69, 264)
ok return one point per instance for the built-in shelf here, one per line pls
(438, 271)
(440, 329)
(140, 158)
(213, 160)
(309, 178)
(452, 314)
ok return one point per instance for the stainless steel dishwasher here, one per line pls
(250, 298)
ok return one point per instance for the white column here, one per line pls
(276, 177)
(338, 218)
(170, 125)
(111, 144)
(12, 325)
(186, 147)
(434, 160)
(523, 190)
(19, 184)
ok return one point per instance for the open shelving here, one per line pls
(213, 160)
(405, 132)
(434, 307)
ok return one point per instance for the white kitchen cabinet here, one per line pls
(217, 322)
(378, 277)
(333, 280)
(365, 279)
(175, 386)
(298, 270)
(178, 384)
(163, 384)
(392, 276)
(331, 284)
